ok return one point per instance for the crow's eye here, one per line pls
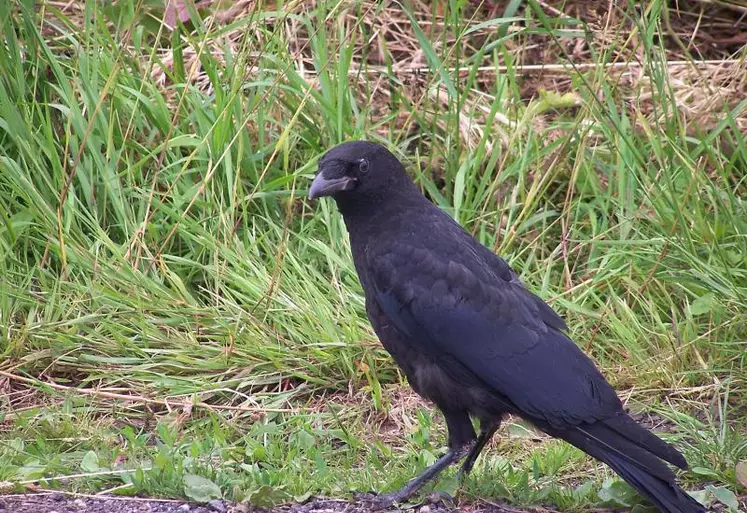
(363, 166)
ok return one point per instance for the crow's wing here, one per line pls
(452, 305)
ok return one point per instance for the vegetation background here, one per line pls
(177, 320)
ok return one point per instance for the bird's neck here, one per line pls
(364, 217)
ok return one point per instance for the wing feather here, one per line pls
(493, 327)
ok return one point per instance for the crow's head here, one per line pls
(356, 171)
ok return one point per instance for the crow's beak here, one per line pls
(323, 186)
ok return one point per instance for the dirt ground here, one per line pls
(60, 503)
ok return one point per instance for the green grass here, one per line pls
(155, 243)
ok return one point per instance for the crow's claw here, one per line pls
(374, 501)
(444, 498)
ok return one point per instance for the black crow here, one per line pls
(471, 338)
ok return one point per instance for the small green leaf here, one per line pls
(428, 458)
(266, 496)
(703, 304)
(259, 453)
(616, 493)
(90, 462)
(200, 489)
(724, 496)
(702, 471)
(449, 485)
(305, 440)
(580, 492)
(33, 469)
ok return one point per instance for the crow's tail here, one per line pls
(666, 495)
(634, 453)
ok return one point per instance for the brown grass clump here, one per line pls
(702, 52)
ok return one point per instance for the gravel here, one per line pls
(62, 503)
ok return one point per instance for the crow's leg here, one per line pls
(487, 430)
(461, 441)
(417, 483)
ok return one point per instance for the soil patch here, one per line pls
(60, 503)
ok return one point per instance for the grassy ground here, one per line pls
(177, 320)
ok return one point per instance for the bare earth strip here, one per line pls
(59, 503)
(62, 503)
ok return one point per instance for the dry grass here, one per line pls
(703, 48)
